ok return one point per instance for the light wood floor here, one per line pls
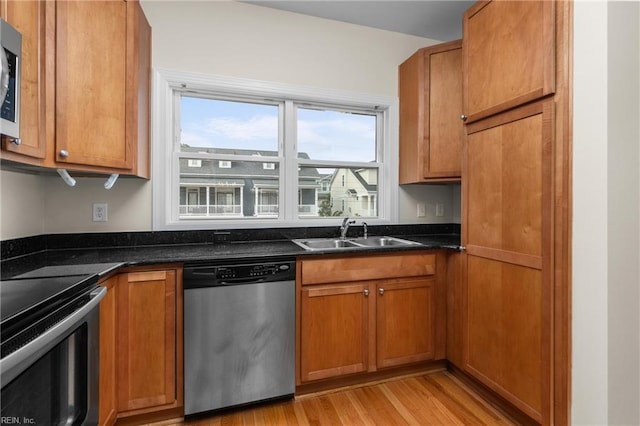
(426, 399)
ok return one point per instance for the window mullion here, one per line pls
(289, 182)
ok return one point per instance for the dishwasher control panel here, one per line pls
(238, 273)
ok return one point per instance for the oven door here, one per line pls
(53, 379)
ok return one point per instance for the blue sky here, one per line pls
(324, 135)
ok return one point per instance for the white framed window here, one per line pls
(330, 154)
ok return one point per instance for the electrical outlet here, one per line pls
(99, 212)
(421, 210)
(439, 209)
(221, 237)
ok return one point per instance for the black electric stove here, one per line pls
(30, 301)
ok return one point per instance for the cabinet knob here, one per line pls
(64, 153)
(381, 291)
(365, 291)
(16, 141)
(463, 117)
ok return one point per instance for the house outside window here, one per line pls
(324, 160)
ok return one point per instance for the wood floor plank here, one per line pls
(426, 399)
(301, 418)
(419, 401)
(380, 408)
(363, 412)
(399, 405)
(460, 403)
(348, 412)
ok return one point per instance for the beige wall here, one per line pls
(623, 245)
(243, 40)
(606, 212)
(22, 206)
(231, 39)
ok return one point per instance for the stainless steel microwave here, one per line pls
(10, 56)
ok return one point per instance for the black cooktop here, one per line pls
(18, 296)
(30, 305)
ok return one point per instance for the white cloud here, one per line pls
(255, 128)
(338, 139)
(343, 138)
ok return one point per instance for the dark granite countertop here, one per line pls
(100, 260)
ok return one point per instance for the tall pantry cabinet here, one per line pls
(513, 177)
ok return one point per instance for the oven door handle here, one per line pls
(16, 362)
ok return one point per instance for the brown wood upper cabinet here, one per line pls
(28, 17)
(508, 55)
(430, 91)
(86, 92)
(359, 314)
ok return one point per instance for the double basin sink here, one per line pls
(316, 244)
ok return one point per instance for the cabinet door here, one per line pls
(430, 92)
(405, 321)
(509, 55)
(507, 274)
(147, 342)
(445, 129)
(28, 17)
(454, 309)
(90, 120)
(335, 330)
(108, 315)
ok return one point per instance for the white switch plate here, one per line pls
(439, 209)
(421, 210)
(99, 212)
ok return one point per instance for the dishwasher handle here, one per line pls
(242, 281)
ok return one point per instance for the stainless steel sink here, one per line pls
(383, 242)
(315, 244)
(325, 244)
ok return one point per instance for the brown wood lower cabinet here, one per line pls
(149, 372)
(141, 346)
(107, 393)
(405, 317)
(353, 326)
(335, 330)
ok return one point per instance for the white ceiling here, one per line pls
(435, 19)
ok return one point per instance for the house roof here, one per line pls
(240, 169)
(367, 186)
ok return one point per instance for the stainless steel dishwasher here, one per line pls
(239, 333)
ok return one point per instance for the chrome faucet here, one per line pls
(364, 230)
(345, 227)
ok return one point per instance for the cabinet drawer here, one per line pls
(331, 270)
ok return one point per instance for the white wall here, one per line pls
(255, 42)
(623, 157)
(606, 233)
(409, 195)
(231, 39)
(128, 205)
(22, 207)
(590, 362)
